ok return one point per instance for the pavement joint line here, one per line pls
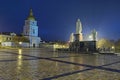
(14, 60)
(110, 63)
(85, 65)
(66, 74)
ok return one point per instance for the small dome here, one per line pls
(31, 17)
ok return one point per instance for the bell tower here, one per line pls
(30, 28)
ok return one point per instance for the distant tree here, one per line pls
(17, 39)
(20, 39)
(117, 45)
(104, 43)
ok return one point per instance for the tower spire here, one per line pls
(31, 17)
(31, 12)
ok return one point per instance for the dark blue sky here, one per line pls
(56, 18)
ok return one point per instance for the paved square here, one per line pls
(42, 64)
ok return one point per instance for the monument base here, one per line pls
(83, 46)
(78, 37)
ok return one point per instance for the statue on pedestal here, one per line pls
(78, 34)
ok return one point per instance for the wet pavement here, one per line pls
(43, 64)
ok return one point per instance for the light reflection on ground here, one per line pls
(42, 64)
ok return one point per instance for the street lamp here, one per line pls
(20, 42)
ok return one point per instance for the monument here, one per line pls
(78, 34)
(81, 45)
(72, 37)
(94, 35)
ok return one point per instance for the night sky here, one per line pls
(57, 18)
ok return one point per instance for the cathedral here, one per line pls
(29, 38)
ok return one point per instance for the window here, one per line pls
(7, 38)
(33, 31)
(10, 39)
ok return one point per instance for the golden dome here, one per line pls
(31, 17)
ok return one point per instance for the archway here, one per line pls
(34, 45)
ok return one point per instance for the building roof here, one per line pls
(7, 33)
(10, 34)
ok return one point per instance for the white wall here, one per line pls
(12, 44)
(7, 44)
(24, 44)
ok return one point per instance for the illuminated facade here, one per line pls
(10, 39)
(6, 39)
(30, 28)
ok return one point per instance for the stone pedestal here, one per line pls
(78, 37)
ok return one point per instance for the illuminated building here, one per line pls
(31, 30)
(29, 38)
(13, 40)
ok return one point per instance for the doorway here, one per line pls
(34, 45)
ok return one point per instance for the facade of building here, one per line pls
(10, 39)
(6, 39)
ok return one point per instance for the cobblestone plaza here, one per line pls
(43, 64)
